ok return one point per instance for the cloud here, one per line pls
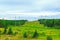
(30, 16)
(35, 14)
(30, 5)
(31, 8)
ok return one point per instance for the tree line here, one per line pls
(50, 22)
(5, 23)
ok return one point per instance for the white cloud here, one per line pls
(31, 5)
(29, 15)
(29, 8)
(35, 14)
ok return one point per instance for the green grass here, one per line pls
(29, 28)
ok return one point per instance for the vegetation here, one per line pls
(49, 38)
(5, 31)
(6, 39)
(5, 23)
(30, 30)
(0, 32)
(35, 35)
(25, 35)
(50, 22)
(10, 32)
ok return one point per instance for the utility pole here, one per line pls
(4, 24)
(19, 20)
(45, 17)
(15, 21)
(41, 17)
(53, 20)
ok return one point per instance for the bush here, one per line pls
(25, 35)
(49, 38)
(5, 31)
(0, 32)
(15, 33)
(43, 34)
(10, 32)
(35, 35)
(7, 39)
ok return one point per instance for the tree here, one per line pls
(35, 35)
(10, 31)
(1, 24)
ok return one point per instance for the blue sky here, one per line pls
(34, 8)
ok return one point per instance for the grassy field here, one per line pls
(29, 28)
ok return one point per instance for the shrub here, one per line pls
(35, 35)
(43, 34)
(49, 38)
(25, 35)
(15, 33)
(0, 32)
(5, 30)
(7, 39)
(10, 32)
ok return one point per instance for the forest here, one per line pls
(50, 22)
(6, 23)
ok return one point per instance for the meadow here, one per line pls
(29, 30)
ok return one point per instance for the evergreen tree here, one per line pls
(35, 35)
(10, 31)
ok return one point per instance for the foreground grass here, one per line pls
(29, 28)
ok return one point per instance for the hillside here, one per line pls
(29, 27)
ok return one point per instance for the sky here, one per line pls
(29, 9)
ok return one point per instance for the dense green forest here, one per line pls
(50, 22)
(47, 22)
(5, 23)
